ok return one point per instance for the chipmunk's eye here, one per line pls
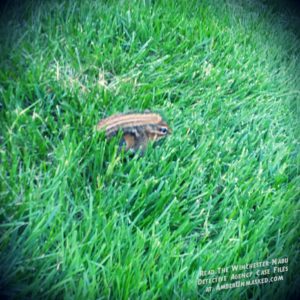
(163, 130)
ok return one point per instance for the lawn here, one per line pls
(78, 220)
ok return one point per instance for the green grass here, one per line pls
(79, 220)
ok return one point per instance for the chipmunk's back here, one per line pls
(122, 121)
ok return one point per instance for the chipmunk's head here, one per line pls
(158, 131)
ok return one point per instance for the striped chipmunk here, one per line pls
(138, 129)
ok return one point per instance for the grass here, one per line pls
(80, 220)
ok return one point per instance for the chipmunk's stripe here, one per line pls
(151, 118)
(113, 123)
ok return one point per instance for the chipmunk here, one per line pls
(138, 129)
